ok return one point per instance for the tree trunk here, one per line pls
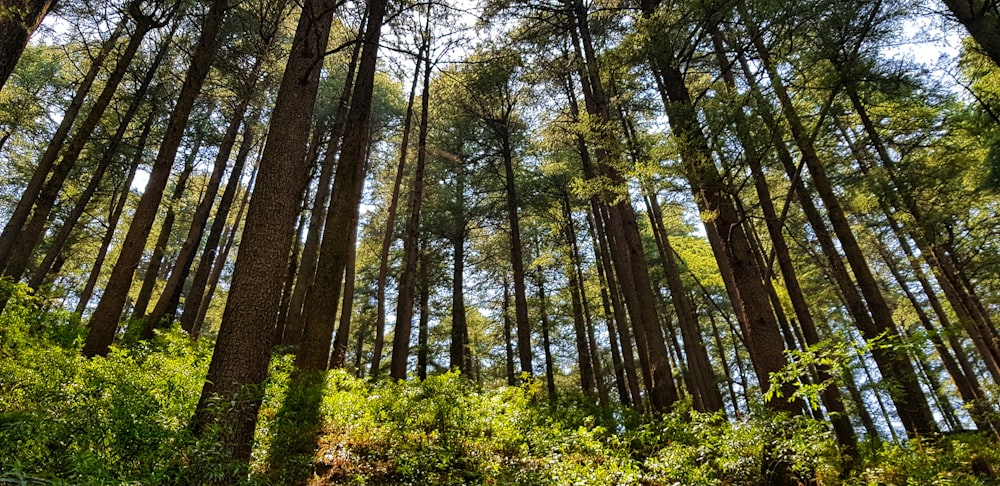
(243, 347)
(51, 154)
(325, 295)
(910, 401)
(169, 299)
(424, 296)
(543, 316)
(318, 213)
(982, 20)
(18, 20)
(729, 241)
(110, 151)
(347, 307)
(390, 223)
(116, 211)
(459, 353)
(104, 323)
(612, 314)
(830, 394)
(220, 260)
(407, 279)
(585, 360)
(624, 239)
(196, 294)
(160, 248)
(33, 230)
(508, 338)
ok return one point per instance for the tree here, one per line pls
(243, 347)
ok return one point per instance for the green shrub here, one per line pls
(91, 421)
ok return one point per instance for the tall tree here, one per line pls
(322, 300)
(411, 236)
(243, 347)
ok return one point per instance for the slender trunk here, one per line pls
(507, 331)
(610, 318)
(33, 230)
(404, 303)
(290, 279)
(220, 260)
(390, 223)
(110, 151)
(625, 240)
(830, 394)
(583, 348)
(730, 243)
(166, 306)
(595, 355)
(104, 323)
(459, 352)
(543, 316)
(424, 294)
(707, 390)
(160, 248)
(910, 401)
(116, 211)
(317, 216)
(600, 236)
(521, 322)
(196, 294)
(347, 307)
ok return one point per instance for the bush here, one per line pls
(93, 421)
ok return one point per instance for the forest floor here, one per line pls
(124, 419)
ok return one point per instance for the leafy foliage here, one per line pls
(125, 418)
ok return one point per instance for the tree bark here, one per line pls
(169, 299)
(196, 294)
(624, 239)
(910, 401)
(407, 279)
(110, 151)
(982, 19)
(325, 295)
(390, 223)
(23, 209)
(18, 21)
(32, 231)
(459, 352)
(160, 247)
(318, 213)
(243, 347)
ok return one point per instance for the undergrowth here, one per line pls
(124, 419)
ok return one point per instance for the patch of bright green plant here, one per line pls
(125, 418)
